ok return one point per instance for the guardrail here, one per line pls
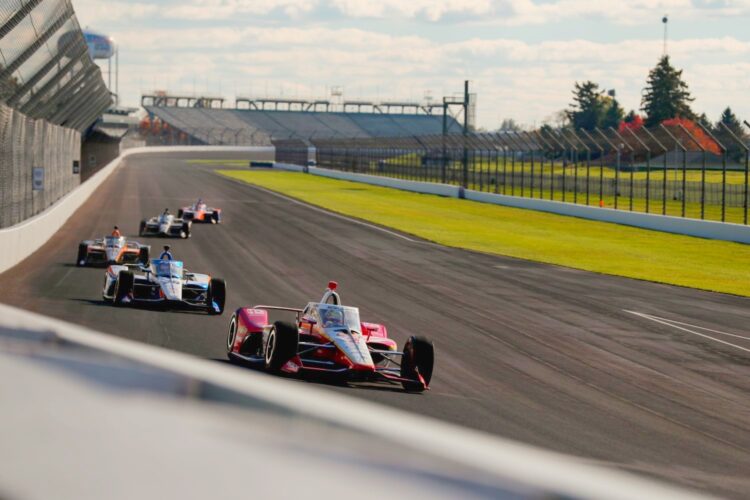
(441, 460)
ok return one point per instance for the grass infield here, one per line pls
(567, 241)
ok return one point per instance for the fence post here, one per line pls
(544, 144)
(664, 179)
(684, 161)
(724, 154)
(744, 146)
(601, 169)
(552, 175)
(616, 149)
(648, 166)
(624, 143)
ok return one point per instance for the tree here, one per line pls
(613, 114)
(587, 110)
(703, 120)
(728, 118)
(509, 125)
(666, 94)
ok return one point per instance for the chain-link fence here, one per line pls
(36, 165)
(679, 169)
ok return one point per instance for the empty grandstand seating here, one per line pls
(232, 126)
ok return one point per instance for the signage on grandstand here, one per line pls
(37, 179)
(76, 167)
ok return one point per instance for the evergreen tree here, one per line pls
(728, 118)
(703, 120)
(588, 108)
(509, 125)
(630, 117)
(666, 94)
(613, 115)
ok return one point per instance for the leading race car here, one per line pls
(328, 338)
(165, 225)
(111, 250)
(164, 282)
(200, 212)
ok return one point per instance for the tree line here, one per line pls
(666, 99)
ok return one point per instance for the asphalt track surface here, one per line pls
(542, 354)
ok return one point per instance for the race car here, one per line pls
(200, 212)
(328, 338)
(165, 225)
(111, 250)
(164, 282)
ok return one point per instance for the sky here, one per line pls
(522, 57)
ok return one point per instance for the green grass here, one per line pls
(537, 236)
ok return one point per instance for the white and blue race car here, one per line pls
(164, 282)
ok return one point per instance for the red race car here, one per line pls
(200, 212)
(328, 338)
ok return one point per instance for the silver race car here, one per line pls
(165, 225)
(164, 282)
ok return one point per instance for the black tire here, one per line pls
(185, 230)
(418, 359)
(124, 286)
(142, 228)
(179, 214)
(281, 345)
(144, 255)
(214, 217)
(217, 292)
(83, 250)
(232, 335)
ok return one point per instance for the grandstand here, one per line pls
(211, 125)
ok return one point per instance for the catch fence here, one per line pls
(668, 170)
(36, 165)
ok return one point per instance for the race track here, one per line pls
(651, 378)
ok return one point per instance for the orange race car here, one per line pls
(111, 250)
(200, 212)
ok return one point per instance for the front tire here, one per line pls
(418, 360)
(217, 292)
(142, 228)
(179, 214)
(123, 287)
(281, 345)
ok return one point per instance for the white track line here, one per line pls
(676, 324)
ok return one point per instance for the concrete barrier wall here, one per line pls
(677, 225)
(19, 241)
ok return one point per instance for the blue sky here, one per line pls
(522, 56)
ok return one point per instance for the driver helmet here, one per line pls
(332, 316)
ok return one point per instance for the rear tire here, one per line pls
(142, 228)
(281, 345)
(217, 292)
(123, 287)
(232, 335)
(418, 359)
(83, 250)
(185, 231)
(179, 214)
(214, 217)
